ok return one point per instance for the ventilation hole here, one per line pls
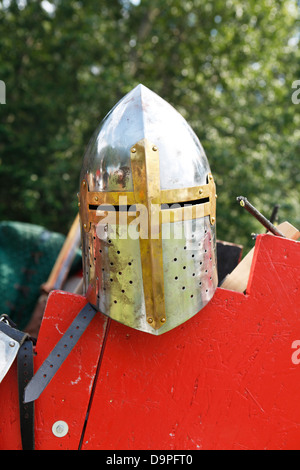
(206, 270)
(184, 247)
(176, 277)
(118, 252)
(100, 251)
(201, 262)
(71, 336)
(94, 259)
(115, 302)
(210, 278)
(123, 291)
(94, 238)
(111, 280)
(205, 251)
(193, 256)
(200, 283)
(183, 287)
(51, 366)
(194, 274)
(192, 296)
(45, 375)
(130, 282)
(175, 259)
(120, 273)
(109, 241)
(111, 264)
(184, 267)
(58, 355)
(129, 264)
(102, 269)
(206, 290)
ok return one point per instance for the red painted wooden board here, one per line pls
(67, 396)
(223, 380)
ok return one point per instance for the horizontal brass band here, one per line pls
(166, 196)
(170, 197)
(165, 216)
(112, 198)
(138, 216)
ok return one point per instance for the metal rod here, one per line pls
(262, 219)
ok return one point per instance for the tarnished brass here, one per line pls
(194, 203)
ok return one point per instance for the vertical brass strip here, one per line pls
(146, 181)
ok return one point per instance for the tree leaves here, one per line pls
(228, 67)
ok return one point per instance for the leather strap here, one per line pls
(25, 373)
(60, 352)
(7, 328)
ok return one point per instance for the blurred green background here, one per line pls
(226, 65)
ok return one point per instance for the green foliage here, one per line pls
(227, 66)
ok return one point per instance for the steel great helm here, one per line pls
(148, 211)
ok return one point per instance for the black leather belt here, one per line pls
(25, 373)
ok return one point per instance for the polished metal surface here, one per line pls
(143, 114)
(116, 280)
(8, 352)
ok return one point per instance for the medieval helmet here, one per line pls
(148, 216)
